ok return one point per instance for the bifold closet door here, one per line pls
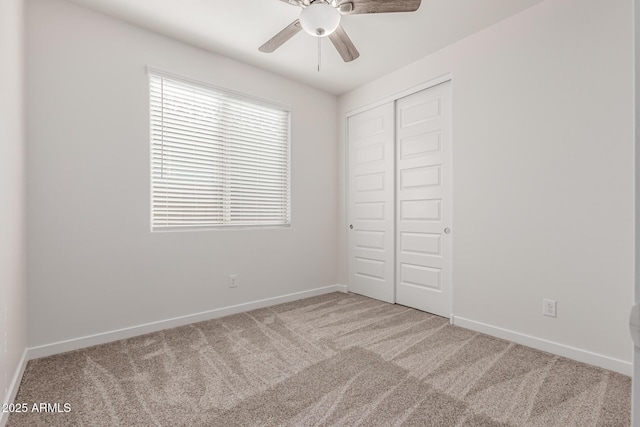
(423, 200)
(371, 203)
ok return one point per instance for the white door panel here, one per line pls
(371, 203)
(423, 200)
(400, 201)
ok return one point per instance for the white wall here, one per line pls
(93, 264)
(13, 314)
(543, 172)
(635, 409)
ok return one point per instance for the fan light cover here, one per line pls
(319, 19)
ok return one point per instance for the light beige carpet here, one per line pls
(332, 360)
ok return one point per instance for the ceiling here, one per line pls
(386, 42)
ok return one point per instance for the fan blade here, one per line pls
(355, 7)
(343, 44)
(280, 38)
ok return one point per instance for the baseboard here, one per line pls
(105, 337)
(13, 386)
(563, 350)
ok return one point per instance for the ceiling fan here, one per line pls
(321, 18)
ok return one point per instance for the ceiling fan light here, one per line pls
(320, 19)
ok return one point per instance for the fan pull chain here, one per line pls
(319, 52)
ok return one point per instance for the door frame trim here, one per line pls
(397, 95)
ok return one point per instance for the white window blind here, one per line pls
(217, 159)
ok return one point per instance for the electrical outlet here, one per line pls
(549, 307)
(233, 280)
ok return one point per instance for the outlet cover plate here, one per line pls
(549, 307)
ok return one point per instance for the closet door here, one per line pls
(371, 203)
(423, 200)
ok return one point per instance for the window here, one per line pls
(217, 159)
